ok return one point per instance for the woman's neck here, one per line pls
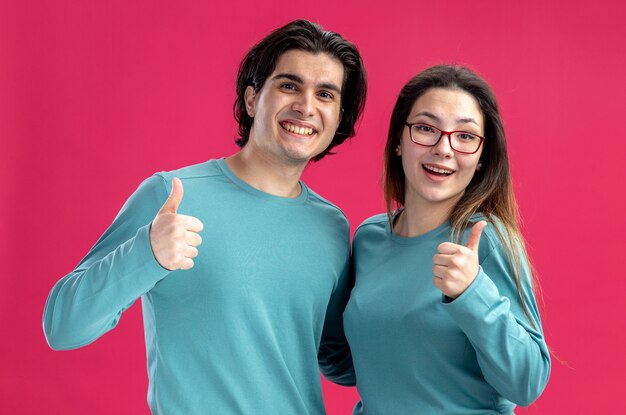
(419, 216)
(410, 223)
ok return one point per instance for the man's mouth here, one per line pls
(292, 128)
(436, 170)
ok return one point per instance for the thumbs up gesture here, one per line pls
(174, 237)
(456, 266)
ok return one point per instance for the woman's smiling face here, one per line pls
(438, 175)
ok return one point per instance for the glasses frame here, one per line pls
(448, 133)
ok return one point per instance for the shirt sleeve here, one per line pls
(121, 267)
(334, 356)
(511, 349)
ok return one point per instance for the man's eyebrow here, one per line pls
(296, 78)
(433, 117)
(331, 86)
(289, 76)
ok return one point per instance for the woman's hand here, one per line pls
(456, 266)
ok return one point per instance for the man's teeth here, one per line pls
(437, 170)
(298, 130)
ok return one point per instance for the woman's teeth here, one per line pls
(438, 170)
(298, 130)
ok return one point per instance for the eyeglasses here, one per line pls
(429, 136)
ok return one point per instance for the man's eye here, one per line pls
(326, 95)
(290, 87)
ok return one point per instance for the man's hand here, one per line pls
(456, 266)
(174, 237)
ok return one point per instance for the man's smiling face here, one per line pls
(298, 109)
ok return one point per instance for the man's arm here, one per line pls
(121, 267)
(334, 356)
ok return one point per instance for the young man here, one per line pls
(236, 320)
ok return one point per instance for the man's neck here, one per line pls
(269, 176)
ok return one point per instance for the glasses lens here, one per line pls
(465, 142)
(425, 134)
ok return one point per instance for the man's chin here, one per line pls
(300, 156)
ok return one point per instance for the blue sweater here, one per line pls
(240, 332)
(415, 353)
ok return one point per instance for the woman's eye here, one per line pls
(326, 95)
(423, 128)
(290, 87)
(467, 136)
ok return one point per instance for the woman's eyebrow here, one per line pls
(464, 120)
(427, 114)
(467, 120)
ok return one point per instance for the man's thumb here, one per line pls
(175, 197)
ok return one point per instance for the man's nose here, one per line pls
(304, 104)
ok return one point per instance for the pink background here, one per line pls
(97, 95)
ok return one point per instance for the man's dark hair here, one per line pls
(303, 35)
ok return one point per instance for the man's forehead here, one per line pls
(297, 56)
(303, 67)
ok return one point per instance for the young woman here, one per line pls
(442, 318)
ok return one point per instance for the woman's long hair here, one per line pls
(490, 192)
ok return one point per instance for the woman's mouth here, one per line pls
(437, 171)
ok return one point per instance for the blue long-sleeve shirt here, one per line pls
(415, 353)
(240, 332)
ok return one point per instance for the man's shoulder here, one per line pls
(325, 204)
(210, 168)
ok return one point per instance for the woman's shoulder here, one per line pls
(374, 223)
(494, 235)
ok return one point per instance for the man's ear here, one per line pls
(250, 100)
